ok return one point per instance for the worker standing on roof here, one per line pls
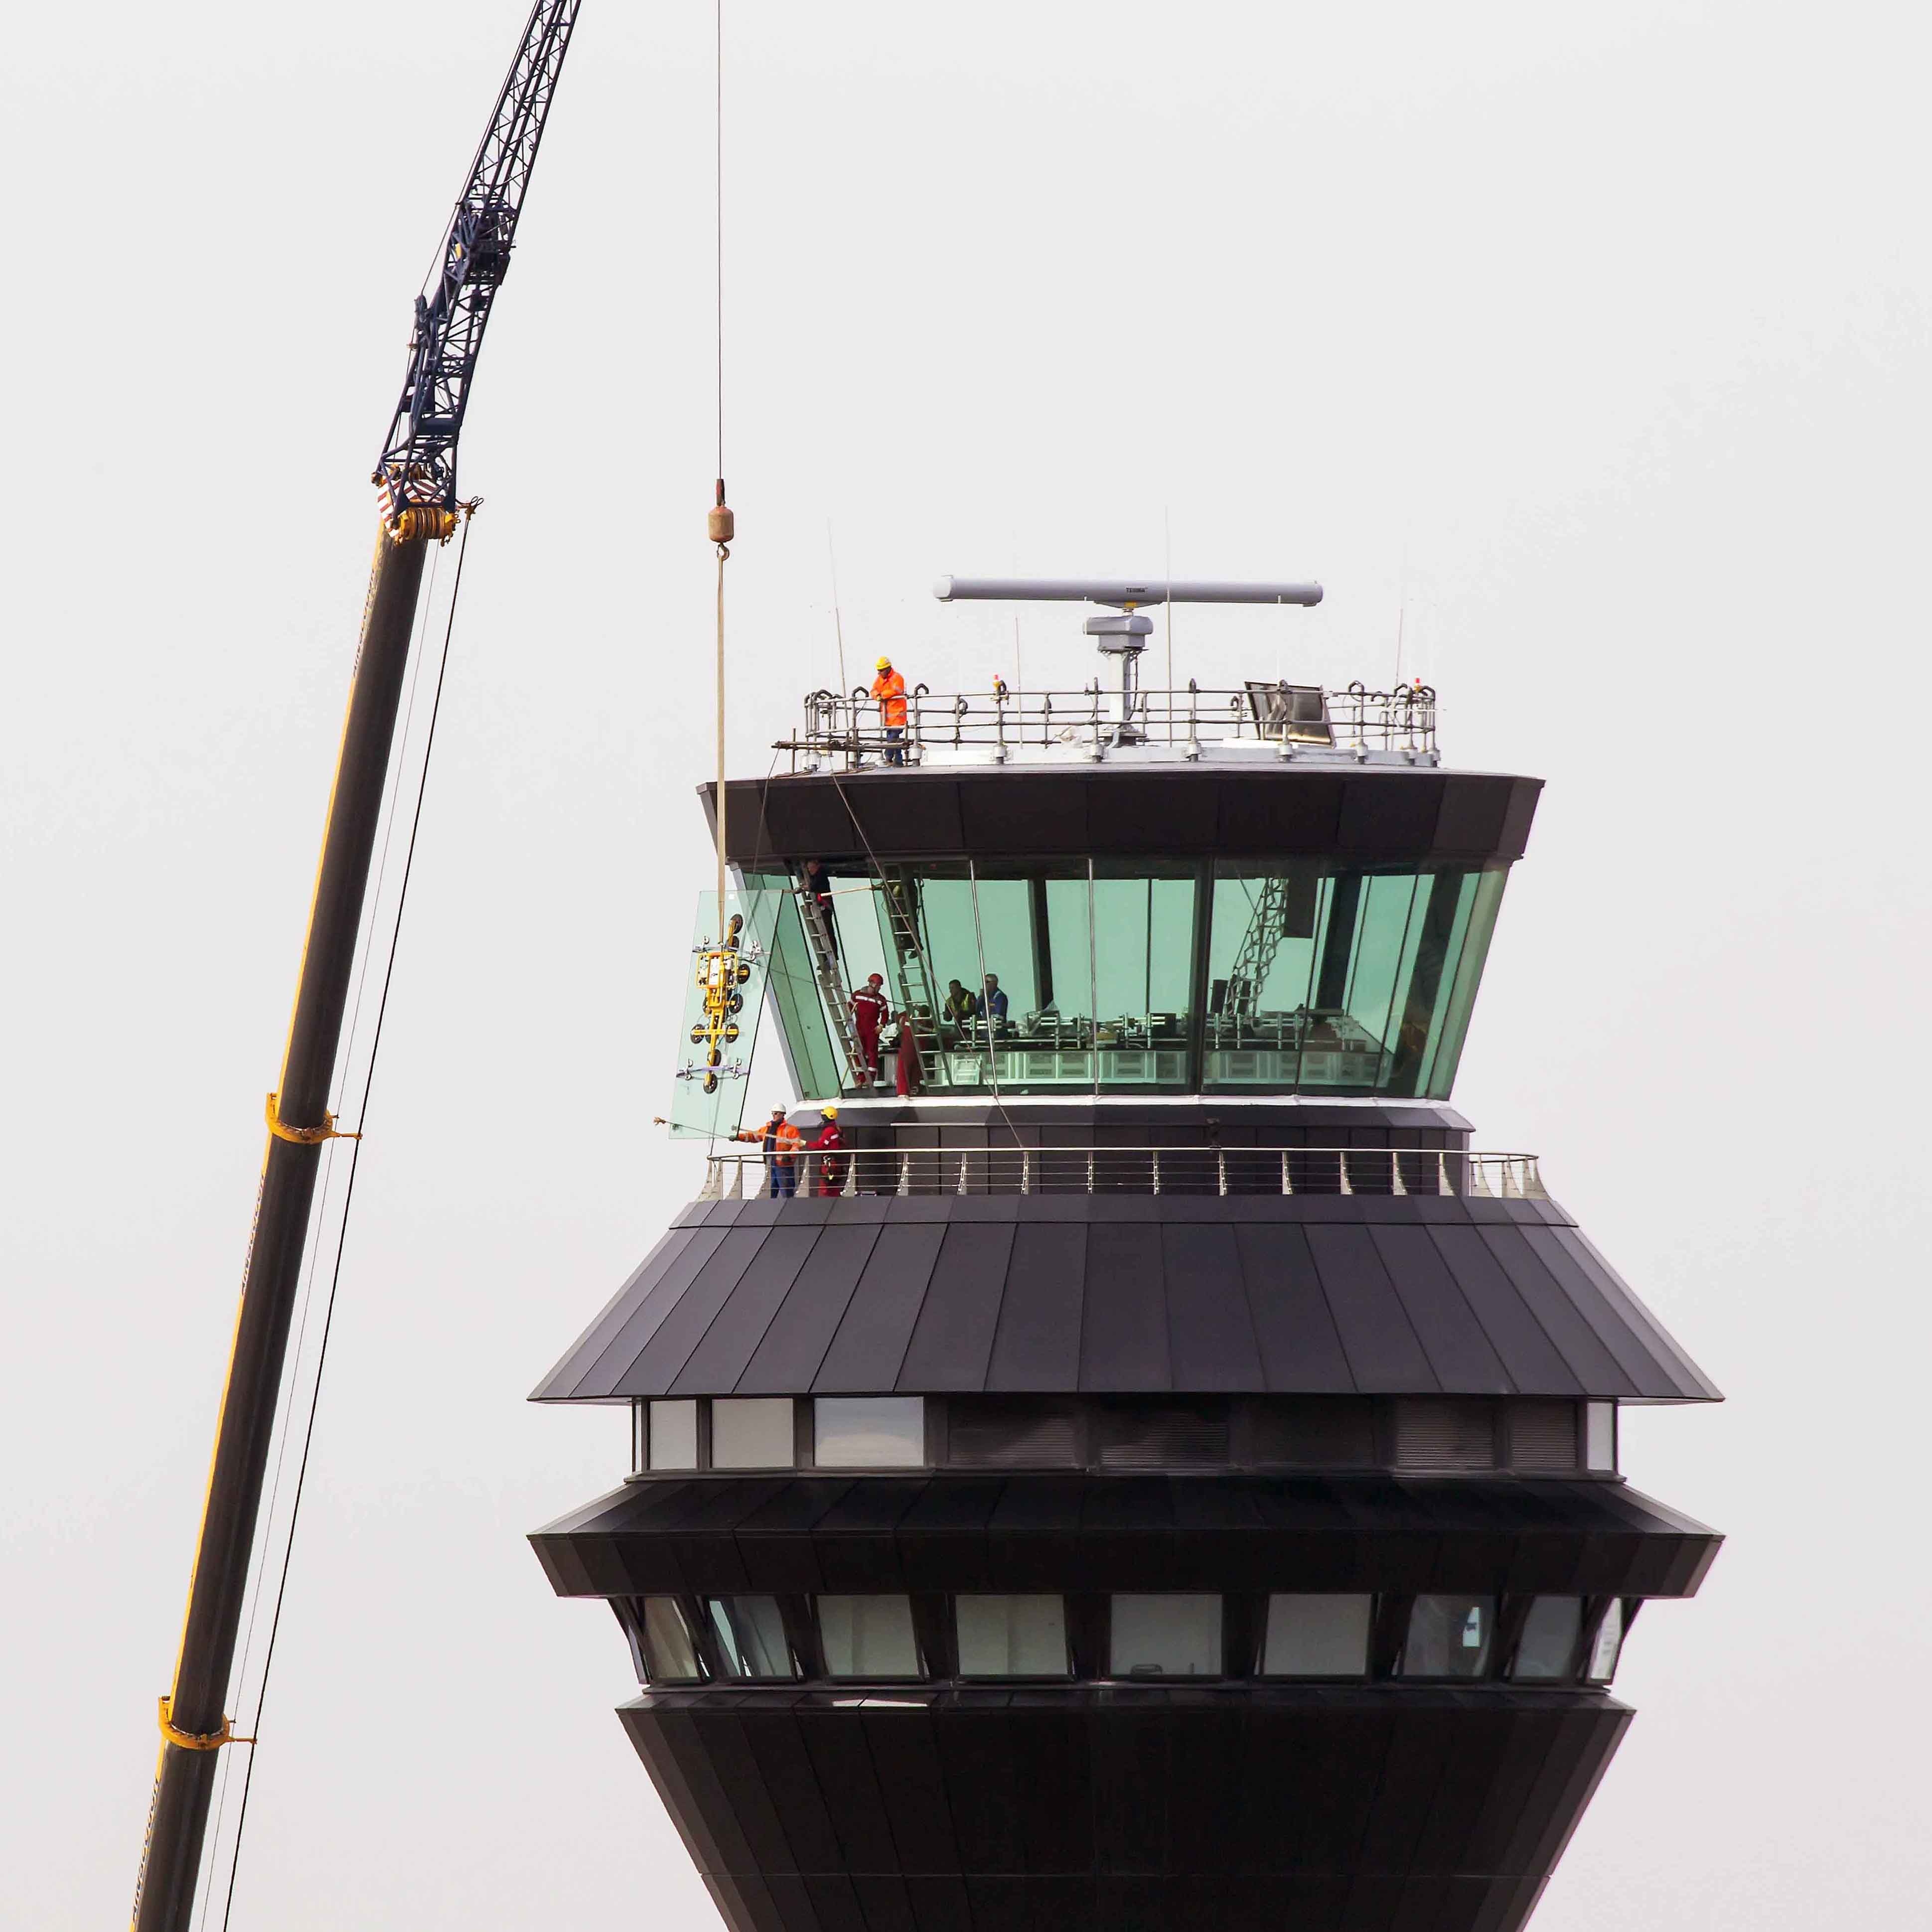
(826, 1144)
(869, 1009)
(889, 688)
(781, 1141)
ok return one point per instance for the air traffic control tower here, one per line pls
(1156, 1473)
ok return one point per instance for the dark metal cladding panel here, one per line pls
(653, 1304)
(952, 1345)
(1300, 813)
(1175, 813)
(1472, 818)
(1462, 1356)
(794, 1345)
(1301, 1351)
(1036, 1345)
(563, 1379)
(870, 1342)
(906, 1758)
(1382, 820)
(1594, 1365)
(1613, 1325)
(1042, 812)
(683, 1328)
(1533, 1361)
(1210, 1334)
(1385, 1355)
(1124, 1341)
(733, 1336)
(1616, 1289)
(1523, 794)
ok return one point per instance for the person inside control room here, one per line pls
(990, 1006)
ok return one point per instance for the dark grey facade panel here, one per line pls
(1294, 1331)
(1461, 1356)
(870, 1342)
(1123, 1338)
(565, 1378)
(1385, 1356)
(733, 1338)
(655, 1298)
(952, 1344)
(661, 1359)
(1307, 1294)
(1533, 1362)
(1662, 1344)
(1037, 1343)
(1210, 1331)
(788, 1358)
(1582, 1348)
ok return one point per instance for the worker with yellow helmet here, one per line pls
(826, 1144)
(888, 688)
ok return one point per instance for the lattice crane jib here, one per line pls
(416, 474)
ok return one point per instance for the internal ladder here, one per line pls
(1254, 959)
(919, 1006)
(825, 967)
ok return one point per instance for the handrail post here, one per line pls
(1090, 1170)
(905, 1173)
(1157, 1170)
(1348, 1186)
(1396, 1185)
(962, 1174)
(1287, 1185)
(1026, 1170)
(1221, 1167)
(1442, 1186)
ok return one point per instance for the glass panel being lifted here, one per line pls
(724, 994)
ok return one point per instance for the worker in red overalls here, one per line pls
(888, 689)
(826, 1144)
(869, 1009)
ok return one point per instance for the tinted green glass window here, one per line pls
(1143, 972)
(801, 1013)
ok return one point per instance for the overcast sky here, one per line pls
(1595, 339)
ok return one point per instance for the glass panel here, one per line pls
(1449, 1636)
(720, 1023)
(1316, 1637)
(670, 1655)
(870, 1432)
(673, 1434)
(1468, 961)
(1600, 1436)
(751, 1432)
(1546, 1652)
(1345, 981)
(1606, 1645)
(1143, 971)
(867, 1636)
(750, 1637)
(808, 1038)
(1012, 1637)
(1166, 1636)
(1033, 1023)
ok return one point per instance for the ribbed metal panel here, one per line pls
(1013, 1435)
(1161, 1439)
(1445, 1435)
(1543, 1436)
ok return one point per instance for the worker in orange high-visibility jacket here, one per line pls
(782, 1143)
(889, 688)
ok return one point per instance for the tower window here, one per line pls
(1599, 1436)
(673, 1429)
(1316, 1637)
(869, 1432)
(1546, 1652)
(670, 1657)
(1606, 1645)
(751, 1636)
(751, 1432)
(867, 1636)
(1012, 1636)
(1166, 1636)
(1449, 1636)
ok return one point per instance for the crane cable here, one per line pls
(349, 1196)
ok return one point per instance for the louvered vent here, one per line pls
(1543, 1436)
(1162, 1438)
(1445, 1435)
(1013, 1435)
(1335, 1433)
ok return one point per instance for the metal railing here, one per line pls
(1129, 1170)
(1296, 719)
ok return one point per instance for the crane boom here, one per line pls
(417, 476)
(418, 467)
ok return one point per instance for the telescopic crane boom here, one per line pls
(416, 478)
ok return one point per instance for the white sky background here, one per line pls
(1605, 333)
